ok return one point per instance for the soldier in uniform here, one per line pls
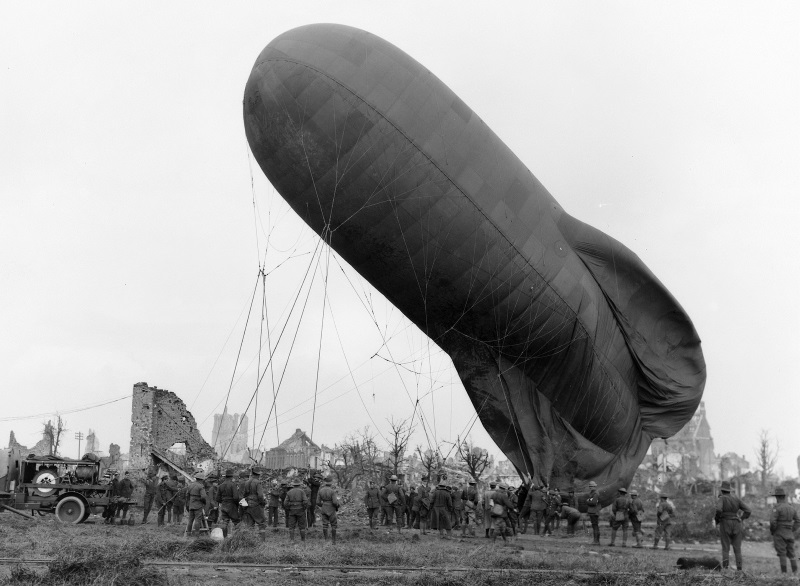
(664, 513)
(313, 482)
(442, 509)
(372, 500)
(179, 501)
(487, 508)
(728, 516)
(150, 491)
(253, 513)
(284, 491)
(572, 515)
(164, 498)
(593, 509)
(196, 500)
(384, 505)
(458, 505)
(228, 495)
(536, 502)
(470, 508)
(176, 488)
(296, 504)
(411, 513)
(212, 502)
(274, 502)
(425, 503)
(636, 514)
(513, 512)
(125, 490)
(396, 500)
(499, 512)
(552, 515)
(783, 524)
(619, 516)
(329, 504)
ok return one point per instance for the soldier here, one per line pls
(296, 504)
(396, 500)
(212, 502)
(228, 495)
(487, 508)
(636, 514)
(372, 500)
(274, 503)
(179, 501)
(284, 491)
(664, 513)
(729, 520)
(164, 498)
(783, 524)
(176, 487)
(552, 515)
(536, 502)
(572, 515)
(470, 508)
(619, 516)
(457, 495)
(593, 509)
(253, 513)
(329, 504)
(196, 500)
(150, 491)
(499, 512)
(411, 513)
(125, 490)
(425, 504)
(313, 483)
(513, 513)
(442, 509)
(384, 505)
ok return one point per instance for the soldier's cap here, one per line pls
(199, 476)
(634, 492)
(779, 492)
(126, 473)
(393, 477)
(492, 484)
(592, 484)
(284, 484)
(229, 473)
(503, 486)
(623, 490)
(726, 486)
(663, 495)
(296, 482)
(255, 472)
(472, 482)
(243, 474)
(328, 480)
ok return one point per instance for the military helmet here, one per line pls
(725, 486)
(393, 477)
(779, 492)
(297, 482)
(328, 480)
(472, 482)
(623, 490)
(229, 473)
(592, 484)
(255, 471)
(663, 495)
(492, 484)
(634, 492)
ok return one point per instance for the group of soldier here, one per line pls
(502, 510)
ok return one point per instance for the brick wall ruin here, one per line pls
(160, 419)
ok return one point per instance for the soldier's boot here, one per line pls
(624, 537)
(225, 530)
(302, 535)
(487, 532)
(492, 534)
(667, 542)
(463, 531)
(725, 563)
(794, 565)
(655, 543)
(638, 537)
(325, 533)
(333, 536)
(613, 537)
(782, 560)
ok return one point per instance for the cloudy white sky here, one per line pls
(130, 244)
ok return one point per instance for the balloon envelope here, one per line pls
(573, 353)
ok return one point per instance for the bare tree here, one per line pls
(52, 433)
(474, 460)
(399, 438)
(430, 461)
(347, 461)
(766, 457)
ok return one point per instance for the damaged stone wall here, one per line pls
(160, 419)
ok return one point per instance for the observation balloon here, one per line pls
(573, 353)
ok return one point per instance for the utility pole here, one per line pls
(79, 437)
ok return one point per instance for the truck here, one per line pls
(70, 489)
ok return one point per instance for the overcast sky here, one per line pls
(130, 243)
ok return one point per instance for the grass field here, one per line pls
(94, 553)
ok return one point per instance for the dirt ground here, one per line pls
(146, 554)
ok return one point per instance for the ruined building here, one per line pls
(691, 450)
(229, 436)
(92, 443)
(296, 452)
(160, 420)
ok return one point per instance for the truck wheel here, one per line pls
(71, 510)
